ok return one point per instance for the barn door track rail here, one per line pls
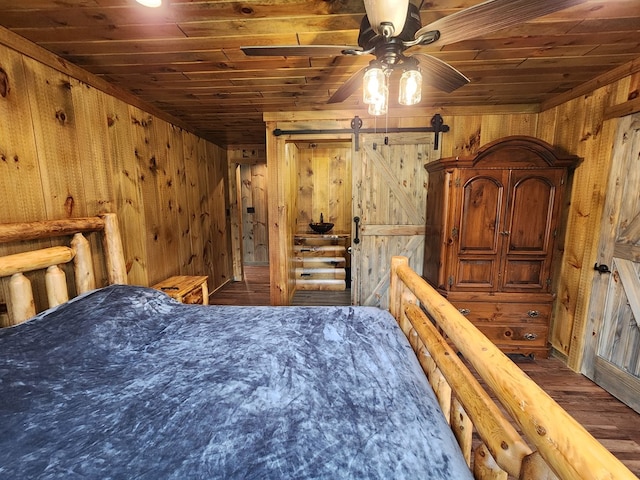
(437, 126)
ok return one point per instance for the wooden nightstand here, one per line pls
(186, 289)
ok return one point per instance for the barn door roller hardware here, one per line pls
(437, 126)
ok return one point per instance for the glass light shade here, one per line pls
(374, 84)
(380, 104)
(150, 3)
(410, 88)
(392, 11)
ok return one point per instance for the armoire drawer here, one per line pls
(508, 313)
(516, 334)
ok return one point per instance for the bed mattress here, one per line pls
(124, 382)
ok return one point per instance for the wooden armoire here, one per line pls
(494, 221)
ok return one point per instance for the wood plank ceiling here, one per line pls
(185, 59)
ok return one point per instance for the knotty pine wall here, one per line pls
(70, 150)
(255, 233)
(248, 187)
(324, 185)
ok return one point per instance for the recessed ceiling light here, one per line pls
(150, 3)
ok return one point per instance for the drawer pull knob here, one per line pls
(464, 311)
(533, 313)
(530, 336)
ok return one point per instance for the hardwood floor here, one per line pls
(614, 424)
(254, 290)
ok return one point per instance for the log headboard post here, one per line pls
(21, 302)
(116, 267)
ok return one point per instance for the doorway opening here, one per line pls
(322, 262)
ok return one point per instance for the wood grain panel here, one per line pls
(220, 245)
(324, 185)
(19, 166)
(51, 104)
(124, 174)
(254, 182)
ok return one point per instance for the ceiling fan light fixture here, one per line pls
(410, 90)
(150, 3)
(374, 84)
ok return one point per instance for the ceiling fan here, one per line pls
(391, 28)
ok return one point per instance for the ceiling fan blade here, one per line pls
(348, 87)
(439, 74)
(491, 16)
(296, 50)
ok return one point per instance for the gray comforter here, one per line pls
(126, 383)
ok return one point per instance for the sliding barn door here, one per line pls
(389, 194)
(612, 353)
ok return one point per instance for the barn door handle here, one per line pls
(601, 268)
(357, 222)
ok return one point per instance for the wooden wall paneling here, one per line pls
(54, 127)
(281, 160)
(305, 186)
(93, 153)
(22, 196)
(570, 122)
(93, 147)
(125, 173)
(205, 212)
(224, 214)
(463, 138)
(193, 233)
(546, 125)
(240, 158)
(235, 218)
(290, 189)
(278, 269)
(259, 184)
(164, 177)
(332, 185)
(493, 127)
(178, 177)
(255, 225)
(320, 168)
(147, 160)
(19, 167)
(220, 235)
(246, 195)
(340, 189)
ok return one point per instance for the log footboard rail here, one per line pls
(21, 300)
(556, 445)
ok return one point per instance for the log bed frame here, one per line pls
(21, 301)
(557, 446)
